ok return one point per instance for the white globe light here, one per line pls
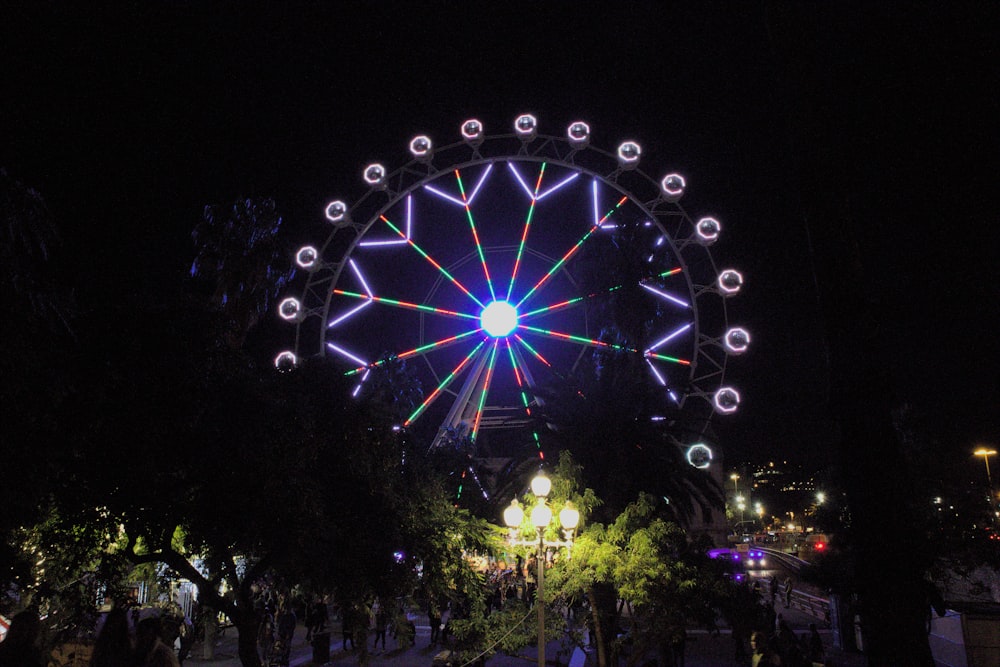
(569, 518)
(541, 485)
(541, 515)
(499, 319)
(513, 516)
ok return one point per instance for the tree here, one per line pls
(241, 256)
(38, 340)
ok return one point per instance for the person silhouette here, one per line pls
(113, 647)
(20, 647)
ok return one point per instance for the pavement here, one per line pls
(702, 650)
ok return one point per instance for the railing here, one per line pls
(814, 605)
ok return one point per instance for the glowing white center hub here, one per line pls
(499, 319)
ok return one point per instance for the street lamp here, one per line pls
(541, 516)
(986, 454)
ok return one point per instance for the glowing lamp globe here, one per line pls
(569, 518)
(541, 485)
(541, 515)
(499, 319)
(513, 515)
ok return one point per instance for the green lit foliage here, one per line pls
(647, 563)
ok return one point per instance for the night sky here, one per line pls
(129, 121)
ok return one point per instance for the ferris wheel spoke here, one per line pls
(663, 357)
(532, 350)
(527, 223)
(522, 387)
(663, 381)
(590, 342)
(369, 298)
(572, 251)
(372, 243)
(475, 235)
(669, 337)
(486, 390)
(444, 384)
(669, 297)
(423, 349)
(433, 263)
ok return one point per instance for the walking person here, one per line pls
(434, 618)
(381, 624)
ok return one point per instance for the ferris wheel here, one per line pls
(499, 264)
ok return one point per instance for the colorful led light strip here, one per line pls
(527, 222)
(437, 266)
(443, 385)
(555, 306)
(577, 339)
(571, 251)
(524, 395)
(486, 390)
(404, 304)
(417, 350)
(475, 235)
(663, 357)
(402, 241)
(456, 200)
(534, 352)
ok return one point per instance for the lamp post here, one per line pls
(541, 516)
(986, 454)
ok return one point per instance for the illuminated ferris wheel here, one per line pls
(499, 264)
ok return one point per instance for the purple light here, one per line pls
(445, 196)
(348, 314)
(558, 186)
(669, 337)
(482, 179)
(656, 373)
(395, 240)
(524, 186)
(344, 353)
(360, 277)
(668, 297)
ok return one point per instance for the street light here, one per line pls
(541, 516)
(986, 454)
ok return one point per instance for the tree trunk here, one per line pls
(603, 599)
(247, 642)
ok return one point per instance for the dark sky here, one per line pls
(129, 121)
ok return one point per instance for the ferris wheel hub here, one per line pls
(499, 319)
